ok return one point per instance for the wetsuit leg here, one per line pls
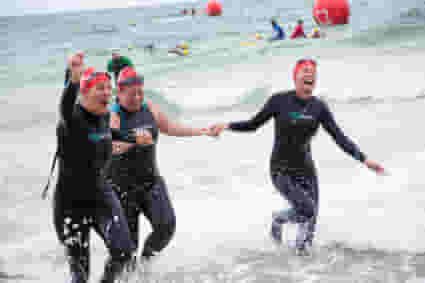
(128, 195)
(311, 228)
(302, 194)
(159, 211)
(111, 224)
(73, 230)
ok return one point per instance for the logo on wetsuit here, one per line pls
(300, 116)
(96, 137)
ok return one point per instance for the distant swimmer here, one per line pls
(188, 11)
(149, 47)
(315, 33)
(117, 63)
(180, 49)
(134, 172)
(299, 30)
(82, 200)
(279, 33)
(298, 116)
(183, 46)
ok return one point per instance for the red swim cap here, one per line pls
(128, 76)
(90, 78)
(302, 63)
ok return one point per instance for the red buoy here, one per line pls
(331, 12)
(214, 8)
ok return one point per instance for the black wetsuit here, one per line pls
(136, 179)
(292, 168)
(82, 199)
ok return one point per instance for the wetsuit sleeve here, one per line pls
(328, 122)
(67, 102)
(258, 120)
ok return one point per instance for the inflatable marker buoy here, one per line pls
(331, 12)
(214, 8)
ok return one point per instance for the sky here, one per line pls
(21, 7)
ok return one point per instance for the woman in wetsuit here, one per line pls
(133, 171)
(297, 116)
(82, 199)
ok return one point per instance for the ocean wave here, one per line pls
(104, 28)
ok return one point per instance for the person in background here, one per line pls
(117, 63)
(315, 33)
(279, 33)
(181, 49)
(299, 30)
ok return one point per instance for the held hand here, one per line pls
(208, 132)
(205, 131)
(121, 147)
(217, 129)
(143, 137)
(372, 165)
(76, 65)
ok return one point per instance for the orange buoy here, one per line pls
(214, 8)
(331, 12)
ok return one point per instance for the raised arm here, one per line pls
(67, 101)
(70, 92)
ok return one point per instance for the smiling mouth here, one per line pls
(308, 82)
